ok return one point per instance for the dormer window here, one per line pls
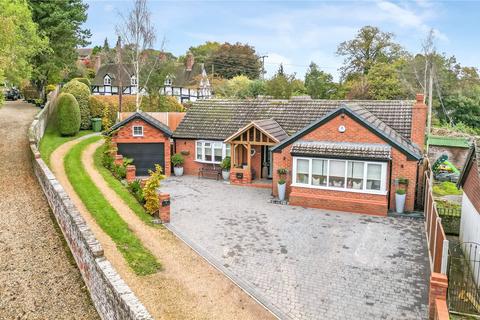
(168, 81)
(133, 81)
(107, 81)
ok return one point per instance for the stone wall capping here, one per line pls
(111, 296)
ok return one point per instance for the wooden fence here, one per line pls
(437, 241)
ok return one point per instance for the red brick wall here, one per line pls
(190, 167)
(150, 135)
(341, 200)
(471, 186)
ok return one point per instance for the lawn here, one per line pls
(445, 188)
(137, 256)
(52, 140)
(120, 189)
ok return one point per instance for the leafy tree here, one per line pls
(61, 22)
(371, 45)
(256, 88)
(231, 60)
(19, 41)
(319, 84)
(237, 87)
(203, 52)
(280, 86)
(464, 109)
(157, 67)
(298, 87)
(384, 82)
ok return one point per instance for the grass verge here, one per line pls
(52, 140)
(120, 189)
(137, 256)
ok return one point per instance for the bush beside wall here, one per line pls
(68, 115)
(81, 92)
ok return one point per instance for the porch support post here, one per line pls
(249, 160)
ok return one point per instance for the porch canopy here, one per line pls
(265, 132)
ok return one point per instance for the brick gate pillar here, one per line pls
(164, 207)
(438, 290)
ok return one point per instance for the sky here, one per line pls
(295, 33)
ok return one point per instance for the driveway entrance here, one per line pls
(305, 263)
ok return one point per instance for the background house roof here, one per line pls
(218, 119)
(342, 149)
(460, 142)
(127, 71)
(187, 79)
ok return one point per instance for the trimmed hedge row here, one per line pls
(68, 114)
(81, 92)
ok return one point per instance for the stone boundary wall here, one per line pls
(112, 297)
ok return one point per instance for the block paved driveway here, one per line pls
(305, 263)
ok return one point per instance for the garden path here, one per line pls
(187, 287)
(38, 276)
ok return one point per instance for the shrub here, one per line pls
(135, 187)
(226, 163)
(84, 80)
(30, 93)
(127, 161)
(446, 188)
(81, 92)
(68, 115)
(400, 191)
(120, 171)
(281, 181)
(96, 106)
(152, 204)
(50, 88)
(177, 160)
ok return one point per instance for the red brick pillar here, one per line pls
(118, 159)
(114, 149)
(130, 173)
(164, 204)
(438, 290)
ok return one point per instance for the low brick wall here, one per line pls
(111, 296)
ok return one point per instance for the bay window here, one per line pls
(336, 174)
(211, 151)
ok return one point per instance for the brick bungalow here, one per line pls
(470, 183)
(340, 155)
(144, 139)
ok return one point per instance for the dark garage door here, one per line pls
(144, 155)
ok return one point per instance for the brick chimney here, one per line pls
(189, 62)
(419, 121)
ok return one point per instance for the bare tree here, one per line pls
(138, 33)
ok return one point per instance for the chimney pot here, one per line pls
(420, 97)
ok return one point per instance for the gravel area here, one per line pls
(38, 277)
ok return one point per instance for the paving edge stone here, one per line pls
(112, 297)
(243, 285)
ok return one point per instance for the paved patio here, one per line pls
(305, 263)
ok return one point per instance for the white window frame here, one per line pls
(133, 80)
(212, 143)
(107, 81)
(168, 81)
(133, 131)
(383, 183)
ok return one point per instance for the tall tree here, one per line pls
(138, 33)
(203, 52)
(319, 84)
(384, 81)
(370, 45)
(231, 60)
(19, 41)
(280, 85)
(61, 22)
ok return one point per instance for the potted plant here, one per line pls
(225, 165)
(177, 161)
(282, 183)
(400, 196)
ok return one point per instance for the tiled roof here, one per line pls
(272, 127)
(218, 119)
(342, 149)
(185, 78)
(472, 159)
(147, 118)
(112, 70)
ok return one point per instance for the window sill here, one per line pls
(208, 162)
(381, 193)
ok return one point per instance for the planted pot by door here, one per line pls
(178, 171)
(282, 186)
(177, 161)
(225, 165)
(400, 197)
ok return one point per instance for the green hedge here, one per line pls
(84, 80)
(68, 115)
(81, 92)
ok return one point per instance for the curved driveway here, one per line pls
(38, 278)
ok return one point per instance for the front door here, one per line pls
(266, 162)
